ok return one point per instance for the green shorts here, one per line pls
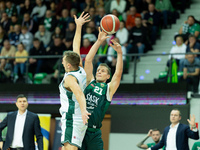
(92, 141)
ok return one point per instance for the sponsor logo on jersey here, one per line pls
(102, 85)
(92, 100)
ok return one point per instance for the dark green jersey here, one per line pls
(98, 101)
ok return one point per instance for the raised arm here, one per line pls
(75, 88)
(141, 144)
(114, 84)
(90, 56)
(77, 38)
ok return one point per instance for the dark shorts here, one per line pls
(92, 141)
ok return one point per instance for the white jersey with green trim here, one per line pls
(68, 100)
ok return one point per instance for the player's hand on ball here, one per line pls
(82, 19)
(102, 35)
(85, 116)
(116, 46)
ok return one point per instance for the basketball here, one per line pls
(110, 24)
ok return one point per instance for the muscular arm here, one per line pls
(114, 84)
(90, 56)
(71, 84)
(77, 38)
(141, 144)
(88, 61)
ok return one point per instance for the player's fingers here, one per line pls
(75, 17)
(86, 16)
(82, 14)
(99, 29)
(87, 20)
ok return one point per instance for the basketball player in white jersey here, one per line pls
(73, 104)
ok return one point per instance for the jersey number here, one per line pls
(98, 90)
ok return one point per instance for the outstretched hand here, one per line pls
(82, 19)
(191, 121)
(102, 35)
(116, 46)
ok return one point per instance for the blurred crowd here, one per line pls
(47, 27)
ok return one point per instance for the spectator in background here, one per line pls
(5, 22)
(191, 72)
(26, 8)
(10, 9)
(58, 33)
(61, 5)
(86, 5)
(166, 8)
(15, 35)
(138, 37)
(145, 7)
(26, 38)
(43, 35)
(2, 8)
(37, 50)
(3, 37)
(14, 21)
(122, 33)
(120, 5)
(57, 48)
(92, 12)
(69, 35)
(155, 134)
(180, 47)
(92, 25)
(7, 51)
(89, 35)
(115, 12)
(20, 63)
(190, 27)
(73, 12)
(29, 23)
(193, 46)
(100, 14)
(53, 8)
(38, 11)
(68, 45)
(49, 21)
(152, 21)
(64, 20)
(86, 47)
(112, 60)
(98, 4)
(130, 22)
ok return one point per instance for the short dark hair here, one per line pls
(21, 96)
(192, 35)
(155, 129)
(108, 68)
(72, 58)
(36, 39)
(176, 109)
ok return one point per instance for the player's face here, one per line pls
(64, 62)
(22, 104)
(175, 116)
(156, 136)
(102, 74)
